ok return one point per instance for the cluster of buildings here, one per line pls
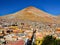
(18, 34)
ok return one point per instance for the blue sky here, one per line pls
(12, 6)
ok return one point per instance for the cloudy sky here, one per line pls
(12, 6)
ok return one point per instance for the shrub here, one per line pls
(57, 42)
(48, 40)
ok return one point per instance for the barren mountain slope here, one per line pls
(32, 14)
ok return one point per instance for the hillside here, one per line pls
(31, 14)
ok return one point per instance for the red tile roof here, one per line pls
(20, 42)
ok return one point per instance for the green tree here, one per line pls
(48, 40)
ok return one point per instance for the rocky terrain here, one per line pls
(31, 14)
(19, 26)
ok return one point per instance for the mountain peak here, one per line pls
(32, 14)
(34, 10)
(31, 6)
